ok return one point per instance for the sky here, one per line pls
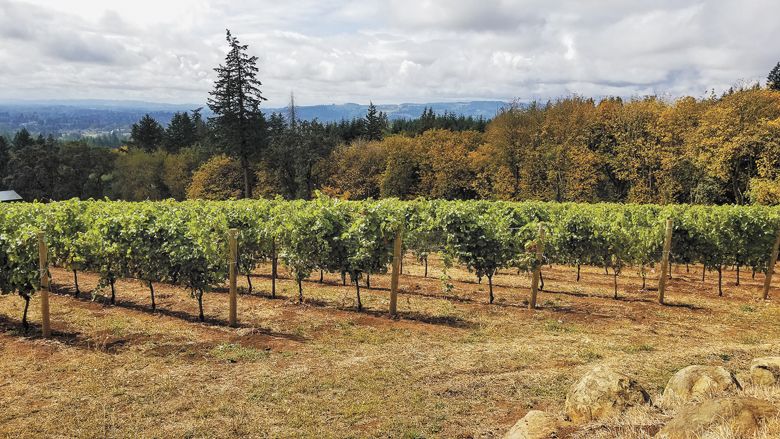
(391, 51)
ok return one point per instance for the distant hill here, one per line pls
(336, 112)
(76, 118)
(73, 118)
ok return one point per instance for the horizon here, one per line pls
(338, 52)
(69, 102)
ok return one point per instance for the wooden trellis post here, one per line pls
(274, 261)
(665, 261)
(538, 270)
(770, 270)
(395, 275)
(232, 270)
(43, 260)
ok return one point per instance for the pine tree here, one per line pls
(22, 139)
(235, 101)
(374, 123)
(427, 120)
(201, 127)
(147, 134)
(280, 154)
(773, 80)
(287, 150)
(180, 132)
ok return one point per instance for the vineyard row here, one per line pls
(188, 243)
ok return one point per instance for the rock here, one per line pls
(765, 371)
(602, 393)
(535, 424)
(742, 415)
(697, 382)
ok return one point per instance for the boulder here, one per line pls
(602, 393)
(698, 382)
(742, 415)
(535, 424)
(765, 371)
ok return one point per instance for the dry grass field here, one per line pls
(452, 366)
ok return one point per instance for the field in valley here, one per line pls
(451, 366)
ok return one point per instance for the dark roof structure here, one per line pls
(9, 196)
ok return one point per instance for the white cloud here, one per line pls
(386, 51)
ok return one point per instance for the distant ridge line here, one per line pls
(73, 117)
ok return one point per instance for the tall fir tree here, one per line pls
(235, 101)
(773, 80)
(147, 134)
(374, 123)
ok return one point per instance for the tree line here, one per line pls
(160, 162)
(717, 149)
(713, 150)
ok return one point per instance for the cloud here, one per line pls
(466, 15)
(386, 51)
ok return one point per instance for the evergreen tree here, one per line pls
(279, 156)
(313, 145)
(32, 167)
(427, 120)
(201, 127)
(180, 133)
(276, 126)
(773, 80)
(235, 101)
(347, 131)
(3, 158)
(147, 134)
(374, 123)
(286, 150)
(293, 161)
(22, 139)
(83, 171)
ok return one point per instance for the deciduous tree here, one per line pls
(220, 178)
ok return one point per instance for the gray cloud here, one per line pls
(386, 51)
(76, 48)
(466, 15)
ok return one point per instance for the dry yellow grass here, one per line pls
(643, 422)
(451, 367)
